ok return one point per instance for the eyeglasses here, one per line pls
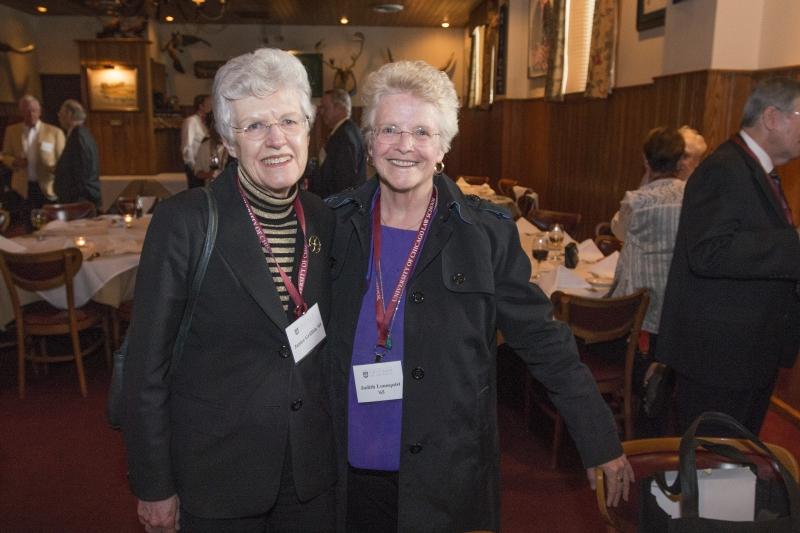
(392, 134)
(257, 131)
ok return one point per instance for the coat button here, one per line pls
(458, 278)
(418, 373)
(417, 297)
(415, 448)
(284, 352)
(297, 404)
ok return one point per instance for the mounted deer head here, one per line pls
(447, 68)
(344, 77)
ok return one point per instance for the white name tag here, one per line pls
(305, 333)
(378, 382)
(47, 147)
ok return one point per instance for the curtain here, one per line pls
(554, 86)
(602, 51)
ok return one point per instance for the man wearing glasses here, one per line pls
(731, 313)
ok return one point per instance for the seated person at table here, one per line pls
(650, 217)
(77, 175)
(193, 130)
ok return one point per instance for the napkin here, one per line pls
(520, 191)
(606, 267)
(7, 245)
(57, 225)
(121, 246)
(526, 228)
(589, 251)
(561, 278)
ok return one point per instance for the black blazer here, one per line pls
(77, 176)
(345, 162)
(731, 312)
(218, 433)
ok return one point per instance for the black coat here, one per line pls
(218, 433)
(77, 176)
(731, 312)
(471, 279)
(345, 162)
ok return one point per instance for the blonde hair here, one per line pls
(421, 80)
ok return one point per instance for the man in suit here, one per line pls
(731, 314)
(32, 148)
(77, 176)
(343, 161)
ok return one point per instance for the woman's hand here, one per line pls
(161, 516)
(619, 476)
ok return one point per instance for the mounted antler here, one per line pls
(447, 68)
(344, 77)
(5, 47)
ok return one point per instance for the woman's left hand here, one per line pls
(619, 476)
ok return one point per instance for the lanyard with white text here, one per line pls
(385, 317)
(295, 293)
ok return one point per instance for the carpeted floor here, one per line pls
(62, 469)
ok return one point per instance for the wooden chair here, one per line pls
(43, 271)
(505, 186)
(72, 211)
(603, 228)
(544, 220)
(474, 180)
(527, 203)
(608, 244)
(607, 331)
(648, 456)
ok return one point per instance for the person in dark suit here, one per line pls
(77, 175)
(731, 314)
(343, 163)
(237, 436)
(424, 277)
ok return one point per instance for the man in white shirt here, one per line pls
(32, 148)
(193, 131)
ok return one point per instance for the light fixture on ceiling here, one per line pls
(169, 18)
(445, 23)
(387, 8)
(344, 20)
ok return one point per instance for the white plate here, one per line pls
(600, 282)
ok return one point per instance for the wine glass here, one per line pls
(556, 237)
(126, 205)
(38, 220)
(539, 252)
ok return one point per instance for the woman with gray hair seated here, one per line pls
(236, 435)
(434, 275)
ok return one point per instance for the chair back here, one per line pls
(40, 272)
(506, 186)
(527, 203)
(71, 211)
(603, 228)
(5, 220)
(544, 220)
(648, 456)
(608, 244)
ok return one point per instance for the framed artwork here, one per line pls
(540, 33)
(112, 88)
(650, 14)
(313, 64)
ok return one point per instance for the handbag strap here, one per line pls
(688, 470)
(197, 280)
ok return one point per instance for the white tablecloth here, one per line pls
(111, 186)
(108, 271)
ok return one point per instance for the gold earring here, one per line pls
(438, 168)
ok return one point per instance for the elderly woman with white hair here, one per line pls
(433, 276)
(233, 434)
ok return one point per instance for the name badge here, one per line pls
(47, 147)
(379, 382)
(305, 333)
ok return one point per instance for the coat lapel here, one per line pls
(760, 177)
(240, 248)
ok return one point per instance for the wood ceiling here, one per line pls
(425, 13)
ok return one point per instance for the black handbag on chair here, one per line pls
(777, 501)
(115, 406)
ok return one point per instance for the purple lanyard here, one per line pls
(295, 293)
(385, 317)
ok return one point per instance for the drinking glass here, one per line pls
(539, 252)
(126, 205)
(556, 237)
(38, 220)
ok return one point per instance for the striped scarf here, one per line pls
(279, 222)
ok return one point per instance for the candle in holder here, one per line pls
(80, 241)
(128, 220)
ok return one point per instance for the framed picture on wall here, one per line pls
(313, 64)
(650, 14)
(112, 88)
(540, 32)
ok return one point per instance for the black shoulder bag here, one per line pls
(115, 406)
